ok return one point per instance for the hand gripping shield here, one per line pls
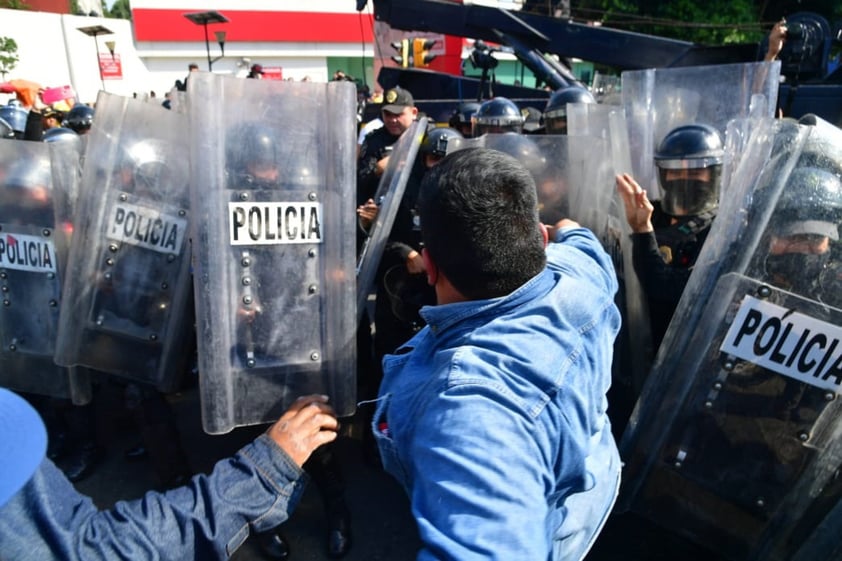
(125, 310)
(658, 100)
(37, 181)
(273, 190)
(737, 437)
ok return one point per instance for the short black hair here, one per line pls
(479, 222)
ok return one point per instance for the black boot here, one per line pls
(82, 462)
(273, 545)
(324, 469)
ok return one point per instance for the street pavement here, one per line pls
(382, 528)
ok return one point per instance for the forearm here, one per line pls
(207, 519)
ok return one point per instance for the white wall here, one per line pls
(53, 52)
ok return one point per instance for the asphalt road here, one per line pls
(382, 524)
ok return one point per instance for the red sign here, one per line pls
(110, 67)
(273, 73)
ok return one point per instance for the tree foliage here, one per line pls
(120, 10)
(8, 55)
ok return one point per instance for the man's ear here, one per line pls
(544, 234)
(430, 267)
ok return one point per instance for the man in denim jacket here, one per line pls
(46, 518)
(493, 417)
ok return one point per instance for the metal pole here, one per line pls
(99, 63)
(207, 46)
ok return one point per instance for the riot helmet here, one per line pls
(461, 117)
(15, 116)
(6, 130)
(27, 191)
(149, 169)
(79, 118)
(804, 223)
(60, 134)
(434, 146)
(689, 162)
(251, 157)
(555, 113)
(497, 115)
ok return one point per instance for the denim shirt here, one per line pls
(493, 417)
(207, 519)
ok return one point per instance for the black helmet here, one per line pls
(461, 118)
(79, 118)
(555, 113)
(687, 149)
(15, 116)
(249, 148)
(60, 134)
(436, 140)
(27, 190)
(497, 115)
(811, 203)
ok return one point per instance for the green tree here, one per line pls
(120, 10)
(8, 55)
(14, 5)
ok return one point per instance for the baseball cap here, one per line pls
(395, 100)
(814, 227)
(23, 443)
(257, 69)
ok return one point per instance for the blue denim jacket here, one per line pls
(207, 519)
(493, 417)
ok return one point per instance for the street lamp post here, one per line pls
(94, 31)
(203, 19)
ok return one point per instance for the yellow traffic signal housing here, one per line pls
(404, 55)
(421, 56)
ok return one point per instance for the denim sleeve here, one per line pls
(572, 244)
(208, 518)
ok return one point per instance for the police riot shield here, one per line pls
(633, 346)
(736, 441)
(658, 100)
(388, 198)
(34, 231)
(125, 310)
(273, 192)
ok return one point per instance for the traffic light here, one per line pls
(404, 56)
(421, 56)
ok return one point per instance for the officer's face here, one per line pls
(396, 123)
(263, 171)
(696, 174)
(799, 243)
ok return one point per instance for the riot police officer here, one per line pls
(555, 112)
(253, 163)
(665, 247)
(497, 115)
(15, 116)
(397, 112)
(79, 118)
(434, 146)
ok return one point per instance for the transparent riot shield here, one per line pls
(36, 193)
(593, 124)
(125, 310)
(388, 197)
(273, 192)
(736, 441)
(658, 100)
